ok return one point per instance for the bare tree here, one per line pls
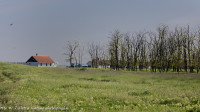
(80, 55)
(91, 51)
(163, 50)
(197, 49)
(123, 54)
(95, 51)
(114, 49)
(70, 53)
(104, 57)
(128, 47)
(136, 45)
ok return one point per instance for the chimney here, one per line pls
(36, 54)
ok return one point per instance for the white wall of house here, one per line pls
(46, 65)
(41, 64)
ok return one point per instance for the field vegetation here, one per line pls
(83, 89)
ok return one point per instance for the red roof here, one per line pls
(43, 59)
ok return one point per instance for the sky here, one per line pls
(45, 26)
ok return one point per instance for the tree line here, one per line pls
(165, 50)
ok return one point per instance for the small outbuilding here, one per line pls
(40, 61)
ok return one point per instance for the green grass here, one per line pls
(98, 89)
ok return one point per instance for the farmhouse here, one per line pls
(40, 61)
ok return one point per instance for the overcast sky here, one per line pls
(45, 26)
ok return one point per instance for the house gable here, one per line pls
(31, 59)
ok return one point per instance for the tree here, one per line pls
(136, 45)
(197, 51)
(163, 50)
(128, 47)
(95, 51)
(142, 58)
(104, 58)
(153, 54)
(123, 54)
(70, 53)
(80, 55)
(114, 48)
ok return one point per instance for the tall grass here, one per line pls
(97, 89)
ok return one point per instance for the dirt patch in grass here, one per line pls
(97, 80)
(75, 86)
(88, 79)
(139, 93)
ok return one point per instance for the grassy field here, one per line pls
(97, 89)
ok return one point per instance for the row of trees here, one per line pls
(163, 50)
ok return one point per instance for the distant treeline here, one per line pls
(23, 63)
(164, 50)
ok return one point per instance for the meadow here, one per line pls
(94, 90)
